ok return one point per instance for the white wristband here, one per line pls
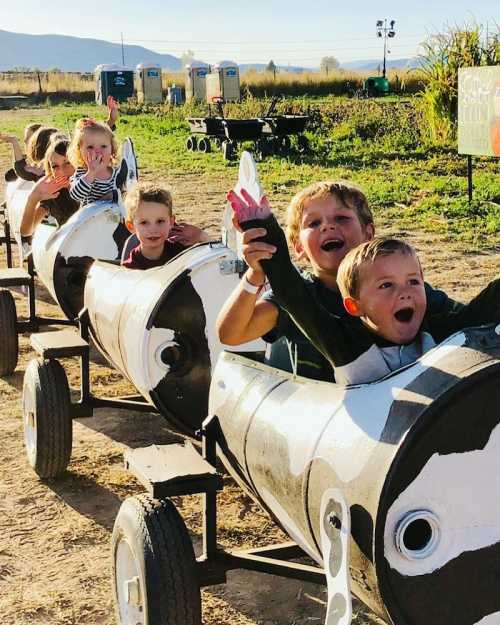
(249, 287)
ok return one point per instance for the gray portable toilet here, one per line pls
(223, 82)
(175, 96)
(115, 80)
(148, 83)
(195, 80)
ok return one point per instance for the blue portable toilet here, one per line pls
(115, 80)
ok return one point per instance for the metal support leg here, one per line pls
(209, 499)
(469, 177)
(83, 323)
(8, 243)
(31, 294)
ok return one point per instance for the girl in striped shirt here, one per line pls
(93, 152)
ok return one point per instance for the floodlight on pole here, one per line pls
(385, 31)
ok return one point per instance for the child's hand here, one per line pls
(5, 138)
(48, 188)
(33, 169)
(187, 234)
(113, 110)
(254, 251)
(246, 208)
(93, 161)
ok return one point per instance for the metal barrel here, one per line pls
(158, 327)
(63, 255)
(416, 456)
(16, 196)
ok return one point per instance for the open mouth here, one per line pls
(405, 315)
(331, 245)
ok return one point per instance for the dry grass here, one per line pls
(256, 84)
(30, 83)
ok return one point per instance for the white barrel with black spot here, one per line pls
(158, 327)
(62, 255)
(416, 457)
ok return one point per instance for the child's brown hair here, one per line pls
(348, 276)
(82, 126)
(348, 194)
(38, 144)
(29, 131)
(146, 192)
(58, 145)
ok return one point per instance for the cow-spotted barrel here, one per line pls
(59, 256)
(410, 463)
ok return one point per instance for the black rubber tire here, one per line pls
(227, 150)
(9, 350)
(153, 534)
(204, 145)
(302, 144)
(48, 426)
(192, 143)
(286, 144)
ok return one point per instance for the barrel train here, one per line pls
(390, 487)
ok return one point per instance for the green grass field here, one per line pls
(381, 145)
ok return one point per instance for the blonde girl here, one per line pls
(93, 152)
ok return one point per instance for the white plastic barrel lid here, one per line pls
(248, 177)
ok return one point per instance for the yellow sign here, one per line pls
(479, 111)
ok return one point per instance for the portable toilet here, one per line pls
(175, 96)
(195, 80)
(223, 83)
(115, 80)
(148, 83)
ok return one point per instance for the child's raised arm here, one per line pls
(244, 317)
(16, 147)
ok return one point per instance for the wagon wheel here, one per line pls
(264, 147)
(204, 145)
(302, 144)
(191, 143)
(286, 144)
(154, 569)
(48, 427)
(9, 350)
(228, 150)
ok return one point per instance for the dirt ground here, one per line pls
(55, 534)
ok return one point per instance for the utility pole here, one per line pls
(385, 31)
(123, 51)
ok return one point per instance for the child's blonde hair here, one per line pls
(58, 145)
(86, 124)
(348, 194)
(146, 192)
(38, 144)
(29, 131)
(349, 274)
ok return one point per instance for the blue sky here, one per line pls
(289, 32)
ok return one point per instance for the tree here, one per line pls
(271, 67)
(186, 57)
(328, 63)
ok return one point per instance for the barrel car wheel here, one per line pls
(154, 570)
(48, 427)
(8, 333)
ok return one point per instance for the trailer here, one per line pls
(270, 133)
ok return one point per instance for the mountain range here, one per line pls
(77, 54)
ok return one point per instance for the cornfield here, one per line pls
(444, 54)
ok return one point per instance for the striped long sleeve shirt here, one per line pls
(86, 192)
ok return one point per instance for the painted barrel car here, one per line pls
(158, 327)
(410, 462)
